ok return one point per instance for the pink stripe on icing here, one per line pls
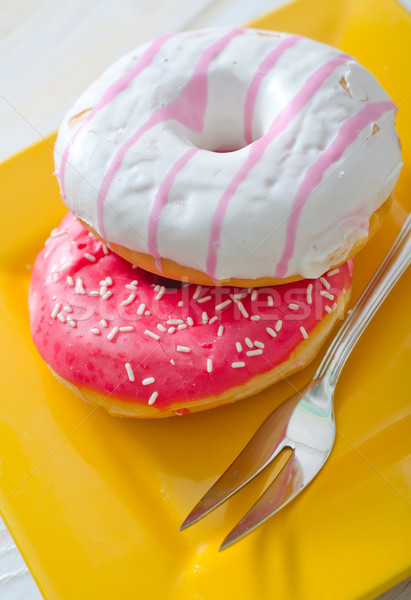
(262, 70)
(257, 149)
(161, 199)
(118, 86)
(348, 133)
(195, 94)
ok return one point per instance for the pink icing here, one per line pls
(257, 149)
(262, 70)
(118, 86)
(74, 260)
(194, 94)
(160, 201)
(348, 133)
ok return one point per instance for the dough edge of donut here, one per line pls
(301, 357)
(173, 270)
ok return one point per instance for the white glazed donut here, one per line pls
(239, 154)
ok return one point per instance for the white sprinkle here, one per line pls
(259, 344)
(95, 331)
(126, 328)
(238, 365)
(183, 349)
(213, 320)
(90, 257)
(129, 371)
(254, 295)
(180, 303)
(148, 381)
(161, 327)
(248, 342)
(190, 321)
(61, 318)
(56, 233)
(220, 330)
(71, 322)
(131, 287)
(113, 333)
(70, 281)
(271, 332)
(172, 361)
(333, 272)
(293, 306)
(278, 325)
(160, 293)
(310, 293)
(66, 266)
(238, 296)
(103, 290)
(156, 287)
(328, 309)
(197, 292)
(105, 249)
(174, 321)
(152, 334)
(55, 311)
(94, 293)
(255, 317)
(209, 365)
(79, 286)
(327, 295)
(325, 283)
(171, 329)
(103, 323)
(141, 309)
(334, 306)
(242, 308)
(223, 305)
(182, 326)
(205, 299)
(109, 280)
(254, 352)
(134, 266)
(270, 301)
(107, 295)
(128, 300)
(204, 317)
(239, 347)
(55, 276)
(153, 398)
(147, 313)
(304, 333)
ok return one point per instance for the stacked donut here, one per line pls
(220, 182)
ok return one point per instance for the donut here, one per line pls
(140, 345)
(231, 156)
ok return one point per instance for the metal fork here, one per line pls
(304, 422)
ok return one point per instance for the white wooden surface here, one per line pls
(49, 51)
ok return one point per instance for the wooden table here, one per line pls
(49, 52)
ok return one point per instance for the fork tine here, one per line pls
(262, 448)
(284, 488)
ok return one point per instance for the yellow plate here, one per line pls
(94, 502)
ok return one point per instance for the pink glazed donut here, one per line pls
(143, 346)
(238, 157)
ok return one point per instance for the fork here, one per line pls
(304, 423)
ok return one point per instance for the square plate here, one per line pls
(95, 502)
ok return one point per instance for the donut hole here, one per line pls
(223, 130)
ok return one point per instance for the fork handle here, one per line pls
(384, 279)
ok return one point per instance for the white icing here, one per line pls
(254, 226)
